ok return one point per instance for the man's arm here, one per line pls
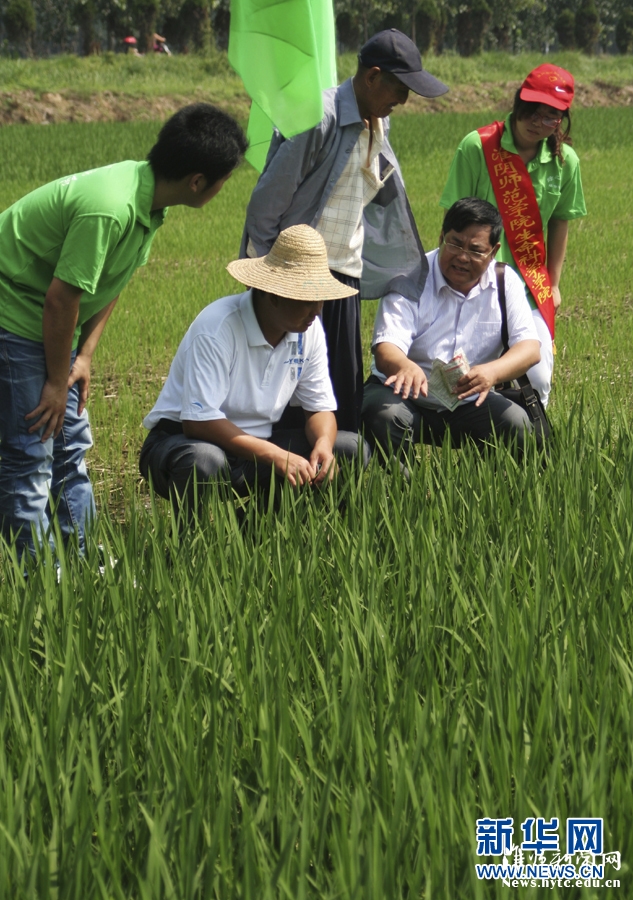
(274, 192)
(519, 358)
(91, 331)
(321, 432)
(233, 440)
(61, 309)
(405, 375)
(557, 231)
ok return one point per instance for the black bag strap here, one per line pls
(500, 272)
(531, 399)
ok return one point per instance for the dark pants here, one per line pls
(393, 422)
(169, 460)
(341, 323)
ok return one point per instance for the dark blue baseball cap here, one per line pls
(392, 51)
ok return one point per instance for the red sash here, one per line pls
(521, 217)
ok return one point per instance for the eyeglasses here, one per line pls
(475, 255)
(547, 121)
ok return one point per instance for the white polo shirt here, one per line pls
(444, 320)
(226, 369)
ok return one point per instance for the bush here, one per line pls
(587, 26)
(624, 32)
(566, 29)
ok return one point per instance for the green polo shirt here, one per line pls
(558, 187)
(91, 230)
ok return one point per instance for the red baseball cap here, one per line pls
(550, 85)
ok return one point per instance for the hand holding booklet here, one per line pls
(444, 377)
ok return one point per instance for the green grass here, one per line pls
(212, 75)
(149, 75)
(321, 703)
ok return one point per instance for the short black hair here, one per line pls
(199, 138)
(473, 211)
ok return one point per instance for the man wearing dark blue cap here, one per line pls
(342, 178)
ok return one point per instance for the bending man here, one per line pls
(66, 251)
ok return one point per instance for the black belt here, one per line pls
(168, 426)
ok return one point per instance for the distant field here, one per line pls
(320, 704)
(187, 74)
(117, 87)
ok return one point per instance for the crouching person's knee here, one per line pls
(389, 421)
(352, 446)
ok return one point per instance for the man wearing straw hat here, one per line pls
(242, 361)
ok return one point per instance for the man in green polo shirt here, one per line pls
(66, 251)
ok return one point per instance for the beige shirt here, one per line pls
(341, 223)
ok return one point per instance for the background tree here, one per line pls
(624, 32)
(430, 26)
(587, 26)
(507, 17)
(471, 25)
(19, 22)
(85, 17)
(566, 29)
(145, 17)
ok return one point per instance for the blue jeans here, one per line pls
(34, 473)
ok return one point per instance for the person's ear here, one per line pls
(441, 237)
(197, 183)
(495, 251)
(372, 76)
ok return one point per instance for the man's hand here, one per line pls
(479, 380)
(80, 375)
(556, 298)
(59, 318)
(409, 380)
(323, 461)
(295, 469)
(51, 410)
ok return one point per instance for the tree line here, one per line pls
(44, 27)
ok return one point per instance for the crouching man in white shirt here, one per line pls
(458, 310)
(244, 358)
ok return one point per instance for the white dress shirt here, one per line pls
(445, 321)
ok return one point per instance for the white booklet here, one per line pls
(444, 377)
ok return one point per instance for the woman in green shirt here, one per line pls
(538, 132)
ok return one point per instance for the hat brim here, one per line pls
(531, 96)
(422, 83)
(288, 281)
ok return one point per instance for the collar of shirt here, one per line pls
(441, 285)
(254, 334)
(348, 107)
(543, 156)
(145, 196)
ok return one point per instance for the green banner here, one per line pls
(284, 51)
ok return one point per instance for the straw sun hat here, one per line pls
(296, 267)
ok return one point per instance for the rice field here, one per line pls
(320, 701)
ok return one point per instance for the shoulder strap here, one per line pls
(532, 402)
(500, 270)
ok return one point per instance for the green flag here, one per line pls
(284, 51)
